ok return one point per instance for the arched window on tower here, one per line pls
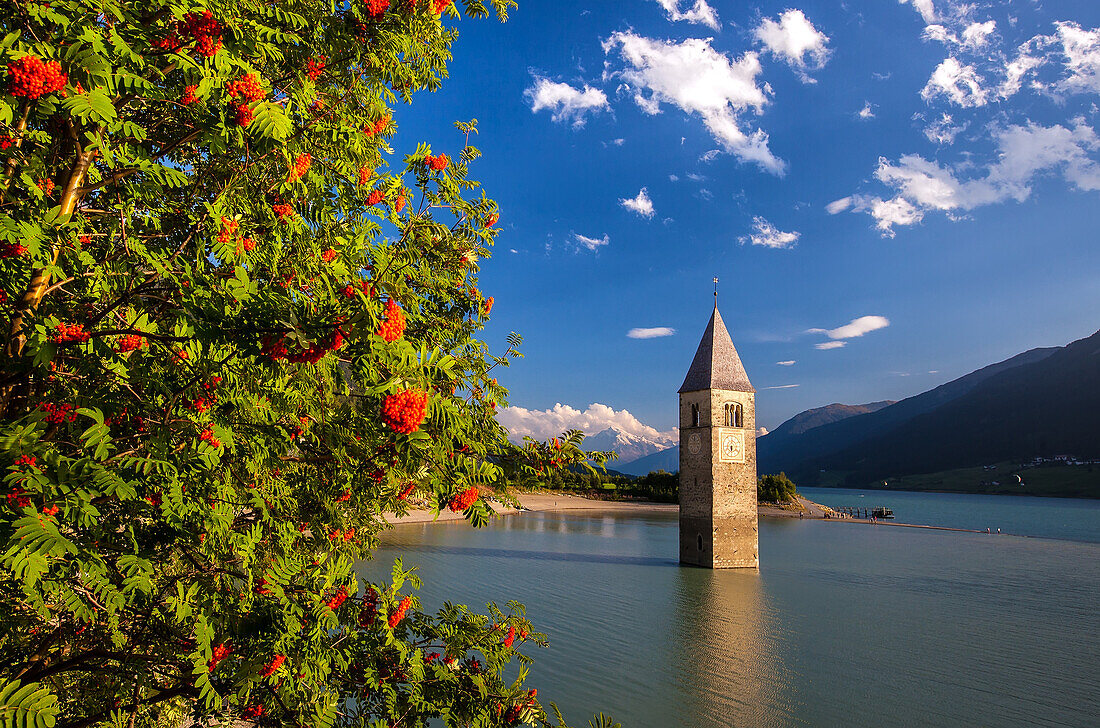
(734, 415)
(694, 415)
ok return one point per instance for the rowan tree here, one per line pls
(238, 331)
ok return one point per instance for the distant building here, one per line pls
(718, 521)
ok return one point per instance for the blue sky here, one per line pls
(951, 224)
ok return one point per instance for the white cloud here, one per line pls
(673, 178)
(654, 333)
(854, 328)
(700, 12)
(761, 431)
(618, 142)
(640, 204)
(1024, 153)
(826, 345)
(838, 205)
(944, 130)
(784, 386)
(796, 40)
(788, 363)
(867, 112)
(958, 82)
(565, 102)
(767, 235)
(924, 7)
(699, 80)
(543, 424)
(590, 243)
(710, 155)
(697, 177)
(976, 35)
(1081, 49)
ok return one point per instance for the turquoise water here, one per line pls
(1076, 519)
(844, 625)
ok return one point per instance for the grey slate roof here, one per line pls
(716, 364)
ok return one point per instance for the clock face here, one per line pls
(695, 444)
(731, 447)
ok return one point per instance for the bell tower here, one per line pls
(718, 523)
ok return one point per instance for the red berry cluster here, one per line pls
(206, 32)
(315, 67)
(365, 173)
(271, 667)
(207, 435)
(491, 220)
(375, 197)
(409, 487)
(12, 250)
(464, 500)
(276, 349)
(5, 142)
(488, 306)
(189, 97)
(28, 461)
(58, 413)
(18, 497)
(32, 77)
(244, 115)
(399, 613)
(129, 343)
(438, 162)
(284, 211)
(399, 204)
(220, 652)
(71, 333)
(329, 255)
(438, 6)
(51, 510)
(377, 126)
(46, 185)
(369, 609)
(348, 291)
(393, 327)
(253, 711)
(300, 167)
(376, 8)
(249, 244)
(405, 411)
(510, 638)
(248, 87)
(337, 599)
(339, 534)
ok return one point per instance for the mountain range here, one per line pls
(630, 447)
(1041, 403)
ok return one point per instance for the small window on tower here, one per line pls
(694, 415)
(734, 417)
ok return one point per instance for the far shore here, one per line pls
(551, 501)
(544, 501)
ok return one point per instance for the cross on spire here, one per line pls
(716, 291)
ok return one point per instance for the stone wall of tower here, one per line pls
(718, 517)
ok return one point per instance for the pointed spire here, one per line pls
(716, 364)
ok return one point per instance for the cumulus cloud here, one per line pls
(925, 7)
(761, 431)
(1080, 49)
(837, 206)
(584, 241)
(855, 327)
(697, 79)
(543, 424)
(640, 204)
(565, 102)
(826, 345)
(788, 363)
(653, 333)
(867, 112)
(766, 234)
(795, 40)
(959, 82)
(1023, 154)
(700, 12)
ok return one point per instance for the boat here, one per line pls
(882, 512)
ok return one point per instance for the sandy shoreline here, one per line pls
(568, 502)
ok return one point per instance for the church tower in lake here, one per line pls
(718, 526)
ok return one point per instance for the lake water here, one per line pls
(844, 625)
